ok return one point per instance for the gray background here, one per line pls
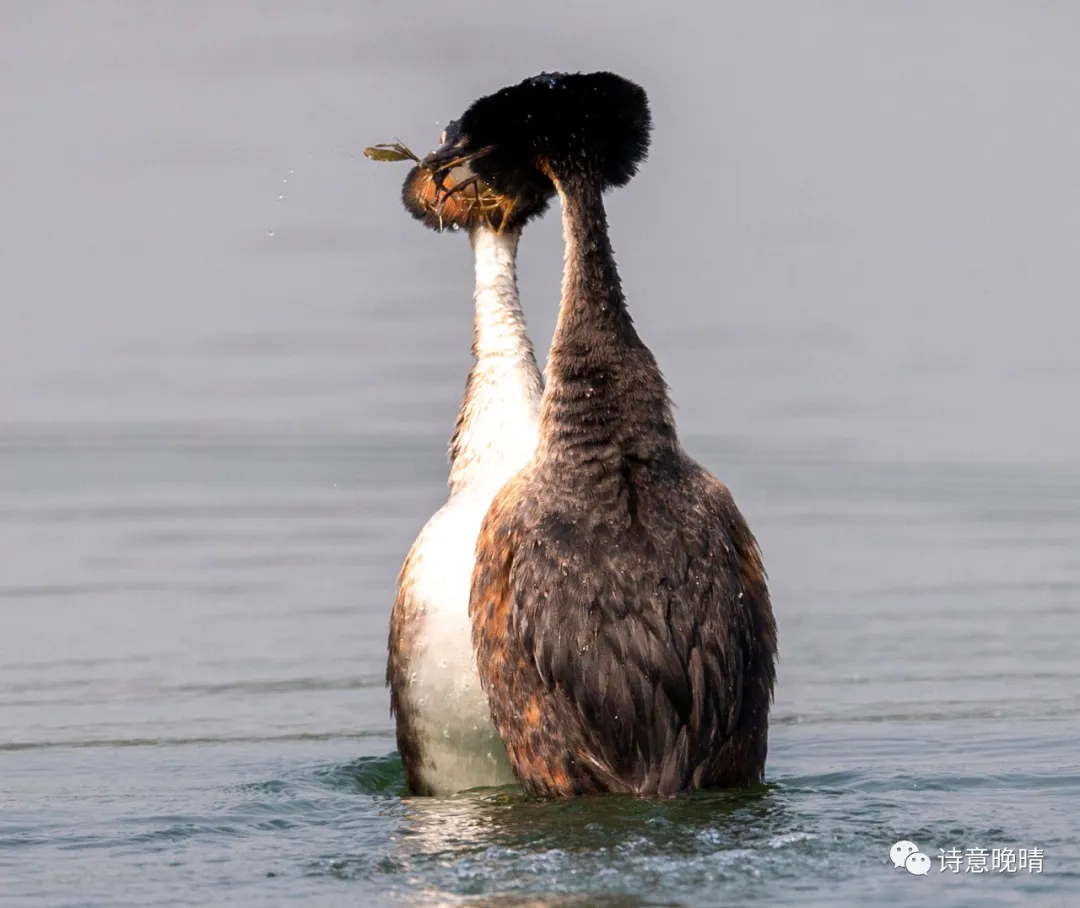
(229, 363)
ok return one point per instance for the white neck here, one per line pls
(497, 426)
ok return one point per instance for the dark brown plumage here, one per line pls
(404, 629)
(621, 617)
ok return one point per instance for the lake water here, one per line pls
(229, 364)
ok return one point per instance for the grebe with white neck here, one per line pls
(445, 735)
(622, 622)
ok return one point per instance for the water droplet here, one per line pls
(269, 232)
(280, 197)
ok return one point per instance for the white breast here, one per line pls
(451, 718)
(454, 744)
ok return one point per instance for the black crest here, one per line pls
(566, 126)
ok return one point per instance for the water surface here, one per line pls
(231, 363)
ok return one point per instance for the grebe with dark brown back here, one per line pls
(622, 622)
(444, 731)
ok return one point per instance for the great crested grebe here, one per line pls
(444, 731)
(619, 606)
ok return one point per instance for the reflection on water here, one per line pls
(231, 363)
